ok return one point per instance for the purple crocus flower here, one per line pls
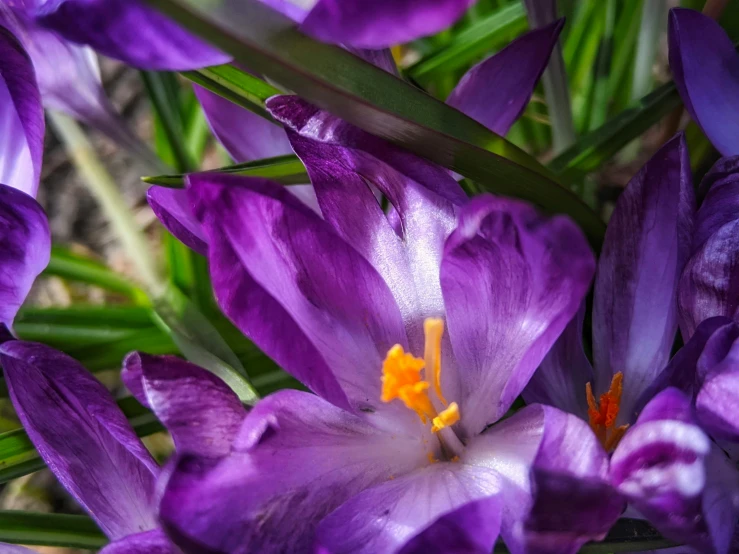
(85, 439)
(664, 461)
(705, 65)
(25, 242)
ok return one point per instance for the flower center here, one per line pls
(403, 378)
(603, 413)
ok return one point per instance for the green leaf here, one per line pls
(50, 530)
(474, 42)
(18, 456)
(74, 267)
(235, 85)
(288, 170)
(598, 146)
(376, 101)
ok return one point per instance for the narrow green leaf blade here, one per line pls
(50, 530)
(376, 101)
(288, 170)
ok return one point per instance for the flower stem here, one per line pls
(101, 185)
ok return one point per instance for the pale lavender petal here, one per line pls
(21, 118)
(564, 373)
(291, 284)
(405, 513)
(556, 493)
(130, 31)
(495, 91)
(15, 549)
(82, 436)
(407, 258)
(706, 70)
(669, 470)
(297, 458)
(172, 208)
(201, 413)
(512, 281)
(380, 23)
(245, 135)
(25, 248)
(150, 542)
(646, 247)
(311, 122)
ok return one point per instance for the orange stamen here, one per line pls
(603, 414)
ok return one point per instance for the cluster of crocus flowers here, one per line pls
(415, 327)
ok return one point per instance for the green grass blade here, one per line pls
(288, 170)
(486, 34)
(50, 530)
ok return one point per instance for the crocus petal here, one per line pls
(380, 58)
(115, 28)
(82, 436)
(311, 122)
(408, 259)
(381, 23)
(564, 373)
(669, 470)
(172, 387)
(706, 70)
(296, 454)
(709, 285)
(555, 489)
(688, 368)
(15, 549)
(495, 91)
(150, 542)
(511, 280)
(245, 135)
(25, 248)
(403, 514)
(646, 247)
(291, 284)
(172, 208)
(21, 118)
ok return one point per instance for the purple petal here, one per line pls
(172, 208)
(706, 70)
(150, 542)
(668, 469)
(564, 373)
(82, 436)
(709, 285)
(302, 294)
(512, 280)
(379, 58)
(692, 362)
(407, 260)
(407, 513)
(25, 247)
(245, 135)
(555, 488)
(646, 246)
(21, 118)
(297, 458)
(14, 549)
(381, 23)
(311, 122)
(495, 92)
(116, 27)
(172, 387)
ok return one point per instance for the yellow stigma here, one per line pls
(402, 379)
(603, 414)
